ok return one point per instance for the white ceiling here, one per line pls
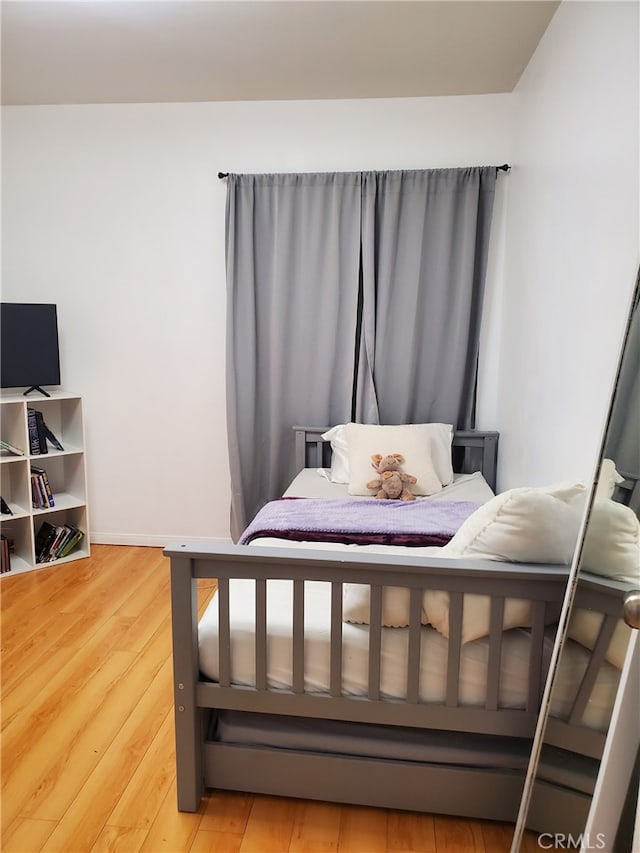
(118, 51)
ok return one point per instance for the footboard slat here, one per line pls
(596, 660)
(375, 641)
(261, 634)
(335, 675)
(496, 633)
(535, 656)
(224, 633)
(415, 638)
(454, 648)
(298, 636)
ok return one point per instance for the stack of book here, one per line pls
(56, 541)
(39, 434)
(41, 494)
(6, 547)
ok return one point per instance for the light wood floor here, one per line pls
(87, 734)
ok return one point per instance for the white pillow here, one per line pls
(426, 449)
(476, 614)
(584, 627)
(339, 453)
(608, 479)
(441, 436)
(525, 525)
(395, 605)
(612, 542)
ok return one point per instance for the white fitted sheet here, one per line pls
(355, 639)
(314, 483)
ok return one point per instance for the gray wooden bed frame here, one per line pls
(457, 789)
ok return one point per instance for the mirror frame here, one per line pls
(567, 604)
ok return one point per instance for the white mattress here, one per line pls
(473, 668)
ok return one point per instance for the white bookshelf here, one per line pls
(66, 471)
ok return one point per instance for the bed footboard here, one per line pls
(542, 585)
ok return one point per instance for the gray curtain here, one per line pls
(292, 256)
(425, 240)
(350, 296)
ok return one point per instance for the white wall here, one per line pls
(116, 214)
(572, 245)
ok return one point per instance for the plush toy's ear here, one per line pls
(398, 456)
(377, 458)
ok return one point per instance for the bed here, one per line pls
(277, 692)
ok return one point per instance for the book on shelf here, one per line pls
(52, 439)
(75, 537)
(40, 434)
(5, 509)
(36, 495)
(6, 548)
(44, 539)
(10, 448)
(61, 533)
(56, 541)
(37, 438)
(41, 492)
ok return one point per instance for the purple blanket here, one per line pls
(360, 522)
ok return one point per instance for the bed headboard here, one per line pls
(473, 450)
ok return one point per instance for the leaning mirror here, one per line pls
(592, 655)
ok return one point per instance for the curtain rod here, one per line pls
(504, 168)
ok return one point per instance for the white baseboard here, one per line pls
(149, 540)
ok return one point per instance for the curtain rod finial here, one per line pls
(504, 168)
(222, 175)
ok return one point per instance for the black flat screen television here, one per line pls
(29, 354)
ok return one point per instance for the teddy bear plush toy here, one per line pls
(390, 480)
